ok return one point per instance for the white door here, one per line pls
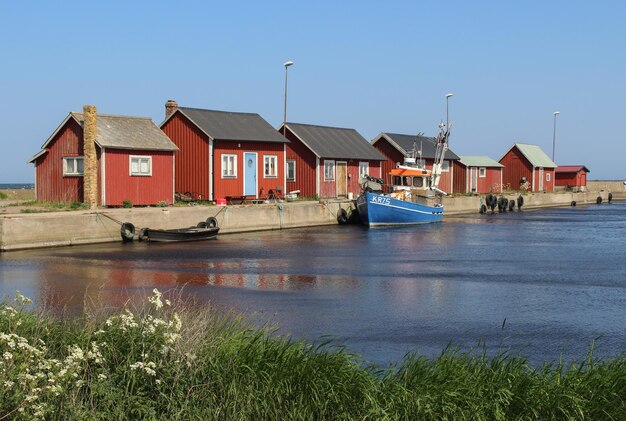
(540, 179)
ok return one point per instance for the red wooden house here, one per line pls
(527, 167)
(572, 177)
(477, 174)
(225, 154)
(132, 160)
(328, 161)
(395, 147)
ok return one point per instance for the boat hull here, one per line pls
(183, 234)
(377, 209)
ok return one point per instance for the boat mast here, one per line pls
(441, 143)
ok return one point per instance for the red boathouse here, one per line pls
(327, 162)
(105, 160)
(571, 177)
(225, 154)
(477, 174)
(527, 167)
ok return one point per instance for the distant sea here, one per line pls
(16, 186)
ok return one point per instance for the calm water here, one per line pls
(557, 276)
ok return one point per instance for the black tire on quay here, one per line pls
(520, 201)
(483, 209)
(211, 222)
(490, 200)
(127, 231)
(573, 203)
(599, 200)
(610, 198)
(202, 224)
(511, 205)
(342, 216)
(143, 235)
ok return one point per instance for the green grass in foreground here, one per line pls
(158, 364)
(3, 196)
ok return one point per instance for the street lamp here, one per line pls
(287, 64)
(554, 134)
(447, 114)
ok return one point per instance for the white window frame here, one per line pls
(547, 176)
(269, 159)
(229, 165)
(445, 166)
(331, 165)
(290, 162)
(139, 159)
(482, 172)
(74, 159)
(364, 168)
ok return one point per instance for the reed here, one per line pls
(161, 362)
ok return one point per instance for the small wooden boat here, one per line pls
(180, 234)
(205, 230)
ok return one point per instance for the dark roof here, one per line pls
(335, 142)
(571, 168)
(404, 143)
(121, 132)
(225, 125)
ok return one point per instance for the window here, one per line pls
(482, 172)
(364, 169)
(418, 182)
(229, 166)
(547, 176)
(140, 165)
(329, 170)
(73, 165)
(445, 166)
(291, 170)
(270, 166)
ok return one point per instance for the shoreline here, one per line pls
(22, 231)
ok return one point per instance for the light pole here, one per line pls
(286, 64)
(447, 114)
(554, 134)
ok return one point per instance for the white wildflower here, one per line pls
(155, 300)
(7, 356)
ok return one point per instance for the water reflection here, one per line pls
(555, 275)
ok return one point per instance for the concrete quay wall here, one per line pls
(35, 230)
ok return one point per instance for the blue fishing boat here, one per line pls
(412, 197)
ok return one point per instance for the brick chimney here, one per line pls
(90, 160)
(170, 107)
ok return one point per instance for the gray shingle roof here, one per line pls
(335, 142)
(405, 143)
(240, 127)
(122, 132)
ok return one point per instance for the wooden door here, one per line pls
(342, 179)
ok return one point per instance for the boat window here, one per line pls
(407, 181)
(396, 180)
(418, 182)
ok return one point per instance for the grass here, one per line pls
(3, 196)
(159, 363)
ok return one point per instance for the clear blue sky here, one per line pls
(370, 65)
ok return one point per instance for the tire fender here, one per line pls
(127, 231)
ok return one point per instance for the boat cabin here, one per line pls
(403, 178)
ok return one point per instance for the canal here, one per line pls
(541, 283)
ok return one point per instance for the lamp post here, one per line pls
(554, 134)
(447, 114)
(286, 64)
